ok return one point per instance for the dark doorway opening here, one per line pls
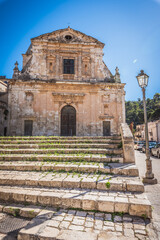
(68, 121)
(5, 131)
(106, 128)
(28, 127)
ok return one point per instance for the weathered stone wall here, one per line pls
(42, 102)
(44, 58)
(3, 112)
(128, 143)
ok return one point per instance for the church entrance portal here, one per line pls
(68, 121)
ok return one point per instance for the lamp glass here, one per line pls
(142, 79)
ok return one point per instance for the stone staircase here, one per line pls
(84, 173)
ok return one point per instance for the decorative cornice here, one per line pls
(68, 94)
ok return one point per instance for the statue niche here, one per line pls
(86, 62)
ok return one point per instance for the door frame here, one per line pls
(109, 127)
(31, 127)
(60, 117)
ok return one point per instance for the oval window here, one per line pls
(68, 37)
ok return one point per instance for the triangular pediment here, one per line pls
(68, 35)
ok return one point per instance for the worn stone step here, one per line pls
(59, 138)
(72, 180)
(103, 201)
(62, 150)
(70, 142)
(61, 157)
(52, 146)
(86, 167)
(63, 141)
(68, 221)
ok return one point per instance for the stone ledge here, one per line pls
(128, 143)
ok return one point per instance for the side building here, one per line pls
(153, 131)
(65, 89)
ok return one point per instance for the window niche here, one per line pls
(105, 109)
(68, 66)
(86, 66)
(51, 61)
(29, 98)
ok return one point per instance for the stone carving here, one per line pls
(68, 98)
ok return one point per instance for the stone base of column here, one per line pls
(150, 180)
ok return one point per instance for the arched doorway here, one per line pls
(68, 121)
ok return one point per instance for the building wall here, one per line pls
(153, 131)
(42, 102)
(3, 113)
(44, 59)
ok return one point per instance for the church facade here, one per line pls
(65, 89)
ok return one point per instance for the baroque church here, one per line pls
(65, 89)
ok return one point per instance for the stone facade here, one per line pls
(3, 108)
(65, 68)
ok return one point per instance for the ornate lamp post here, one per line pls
(149, 176)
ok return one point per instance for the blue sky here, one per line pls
(130, 30)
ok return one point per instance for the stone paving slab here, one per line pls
(73, 224)
(72, 180)
(86, 199)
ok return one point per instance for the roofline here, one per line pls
(59, 30)
(1, 81)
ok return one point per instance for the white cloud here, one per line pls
(135, 60)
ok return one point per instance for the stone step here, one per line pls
(59, 138)
(62, 141)
(61, 157)
(96, 200)
(72, 223)
(62, 150)
(85, 167)
(52, 146)
(72, 180)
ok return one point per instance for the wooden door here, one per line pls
(106, 128)
(28, 126)
(68, 121)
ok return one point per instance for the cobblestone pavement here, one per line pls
(152, 191)
(89, 225)
(110, 226)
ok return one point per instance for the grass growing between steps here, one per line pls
(78, 174)
(32, 212)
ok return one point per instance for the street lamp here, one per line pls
(149, 176)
